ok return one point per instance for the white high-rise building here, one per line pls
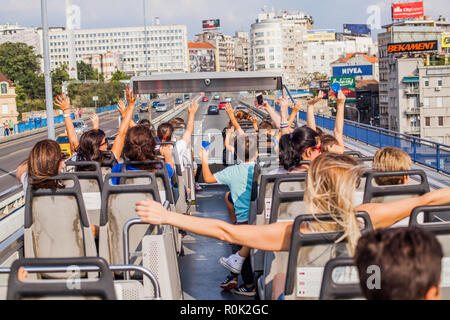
(278, 44)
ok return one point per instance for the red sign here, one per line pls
(412, 46)
(407, 10)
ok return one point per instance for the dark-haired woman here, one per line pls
(93, 143)
(140, 146)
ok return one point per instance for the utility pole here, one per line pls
(145, 37)
(48, 79)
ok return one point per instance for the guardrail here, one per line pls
(13, 202)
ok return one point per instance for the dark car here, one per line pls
(213, 110)
(155, 103)
(178, 100)
(187, 96)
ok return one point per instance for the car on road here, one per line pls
(213, 110)
(205, 99)
(241, 108)
(64, 144)
(222, 105)
(143, 107)
(80, 126)
(187, 96)
(154, 103)
(228, 99)
(178, 101)
(216, 97)
(161, 107)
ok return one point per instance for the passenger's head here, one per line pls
(319, 131)
(330, 187)
(45, 161)
(301, 145)
(266, 125)
(391, 159)
(330, 144)
(92, 145)
(144, 122)
(140, 145)
(180, 122)
(408, 261)
(164, 132)
(241, 115)
(246, 148)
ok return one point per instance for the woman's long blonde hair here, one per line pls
(330, 188)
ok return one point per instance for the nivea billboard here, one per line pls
(353, 71)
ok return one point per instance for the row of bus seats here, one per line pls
(280, 198)
(58, 224)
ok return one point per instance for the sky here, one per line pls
(235, 15)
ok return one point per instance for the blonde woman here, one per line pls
(391, 159)
(330, 188)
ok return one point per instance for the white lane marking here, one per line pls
(7, 174)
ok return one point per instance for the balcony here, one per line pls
(413, 130)
(412, 91)
(412, 111)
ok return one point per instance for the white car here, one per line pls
(80, 126)
(161, 107)
(216, 97)
(227, 99)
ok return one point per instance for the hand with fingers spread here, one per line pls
(121, 107)
(192, 108)
(95, 121)
(317, 98)
(284, 105)
(229, 110)
(151, 212)
(297, 107)
(340, 97)
(62, 102)
(131, 98)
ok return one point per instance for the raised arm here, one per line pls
(95, 121)
(254, 120)
(384, 215)
(271, 237)
(192, 110)
(295, 109)
(63, 102)
(236, 125)
(272, 114)
(228, 134)
(207, 175)
(123, 110)
(339, 122)
(166, 152)
(120, 139)
(310, 119)
(284, 125)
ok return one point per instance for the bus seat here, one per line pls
(118, 206)
(107, 163)
(388, 193)
(91, 183)
(101, 288)
(340, 280)
(56, 223)
(309, 253)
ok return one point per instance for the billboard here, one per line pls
(211, 24)
(321, 35)
(202, 60)
(366, 70)
(319, 84)
(412, 46)
(357, 29)
(446, 41)
(348, 86)
(407, 10)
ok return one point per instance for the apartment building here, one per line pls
(106, 63)
(357, 64)
(7, 100)
(242, 51)
(225, 46)
(278, 44)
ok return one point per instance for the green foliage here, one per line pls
(85, 71)
(59, 75)
(108, 94)
(119, 75)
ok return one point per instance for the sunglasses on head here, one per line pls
(318, 148)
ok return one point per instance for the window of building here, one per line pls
(426, 102)
(4, 88)
(439, 82)
(4, 109)
(441, 121)
(427, 83)
(439, 102)
(427, 121)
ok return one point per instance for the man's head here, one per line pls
(409, 263)
(330, 144)
(246, 148)
(391, 159)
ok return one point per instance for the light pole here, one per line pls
(48, 79)
(145, 37)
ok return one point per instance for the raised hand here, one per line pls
(340, 97)
(95, 121)
(121, 107)
(151, 212)
(297, 107)
(62, 102)
(131, 98)
(254, 119)
(229, 110)
(192, 108)
(317, 98)
(203, 154)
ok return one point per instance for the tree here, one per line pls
(85, 71)
(59, 75)
(119, 75)
(20, 64)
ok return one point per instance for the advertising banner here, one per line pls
(366, 70)
(348, 86)
(407, 10)
(211, 24)
(412, 46)
(321, 35)
(202, 60)
(446, 41)
(357, 29)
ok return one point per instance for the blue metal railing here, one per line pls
(429, 153)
